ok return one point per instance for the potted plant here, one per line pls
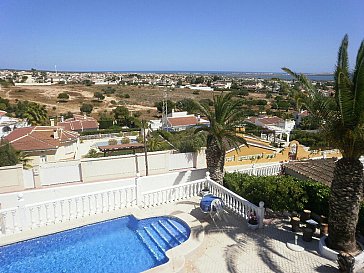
(205, 190)
(253, 220)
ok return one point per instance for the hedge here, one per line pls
(108, 131)
(284, 193)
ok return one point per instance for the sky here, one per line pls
(188, 35)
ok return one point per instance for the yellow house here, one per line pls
(260, 151)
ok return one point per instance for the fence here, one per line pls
(24, 217)
(272, 169)
(172, 194)
(236, 203)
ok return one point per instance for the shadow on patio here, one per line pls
(229, 246)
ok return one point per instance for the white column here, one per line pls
(138, 192)
(260, 213)
(21, 210)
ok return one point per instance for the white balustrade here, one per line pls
(274, 169)
(172, 194)
(34, 215)
(236, 203)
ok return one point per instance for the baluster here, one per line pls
(178, 193)
(62, 211)
(70, 209)
(102, 202)
(120, 199)
(114, 200)
(89, 205)
(155, 199)
(54, 212)
(15, 226)
(97, 208)
(127, 198)
(77, 207)
(4, 226)
(31, 217)
(108, 201)
(47, 214)
(83, 206)
(39, 216)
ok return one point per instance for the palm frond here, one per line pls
(358, 83)
(343, 62)
(344, 100)
(302, 79)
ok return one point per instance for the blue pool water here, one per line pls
(121, 245)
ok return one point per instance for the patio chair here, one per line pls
(216, 209)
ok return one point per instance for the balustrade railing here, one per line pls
(236, 203)
(35, 215)
(31, 216)
(274, 169)
(172, 194)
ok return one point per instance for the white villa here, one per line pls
(9, 124)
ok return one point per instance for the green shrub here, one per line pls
(113, 141)
(108, 131)
(281, 193)
(278, 192)
(317, 196)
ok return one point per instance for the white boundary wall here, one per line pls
(146, 183)
(60, 172)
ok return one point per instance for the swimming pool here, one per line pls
(120, 245)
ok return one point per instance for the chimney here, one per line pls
(198, 118)
(84, 116)
(62, 118)
(52, 121)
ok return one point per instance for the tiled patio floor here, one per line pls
(229, 246)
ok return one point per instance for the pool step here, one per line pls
(164, 235)
(158, 241)
(175, 233)
(160, 236)
(157, 253)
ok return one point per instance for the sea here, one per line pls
(257, 75)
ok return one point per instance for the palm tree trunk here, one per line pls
(344, 204)
(215, 159)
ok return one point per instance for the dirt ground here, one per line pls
(142, 99)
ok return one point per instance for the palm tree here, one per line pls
(224, 118)
(342, 122)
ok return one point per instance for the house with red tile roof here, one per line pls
(79, 123)
(45, 143)
(179, 121)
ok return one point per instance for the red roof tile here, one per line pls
(40, 138)
(79, 123)
(183, 121)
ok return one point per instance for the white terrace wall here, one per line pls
(9, 200)
(146, 183)
(155, 182)
(97, 169)
(11, 178)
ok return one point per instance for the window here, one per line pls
(43, 159)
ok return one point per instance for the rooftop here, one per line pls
(40, 138)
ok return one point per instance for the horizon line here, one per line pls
(166, 71)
